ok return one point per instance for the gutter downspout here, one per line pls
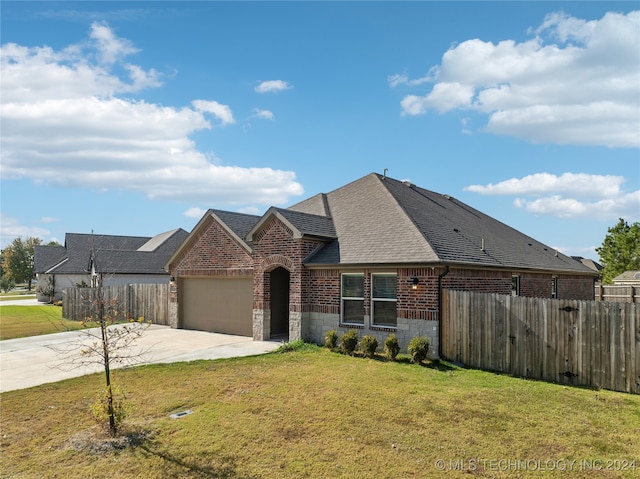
(440, 276)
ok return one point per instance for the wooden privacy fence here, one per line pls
(587, 343)
(615, 292)
(130, 301)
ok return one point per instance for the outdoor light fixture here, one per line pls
(413, 281)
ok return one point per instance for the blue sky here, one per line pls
(133, 118)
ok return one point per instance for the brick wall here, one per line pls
(316, 293)
(212, 253)
(214, 250)
(534, 285)
(273, 247)
(576, 287)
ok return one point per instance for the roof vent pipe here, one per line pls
(384, 176)
(482, 247)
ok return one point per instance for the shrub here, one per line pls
(391, 347)
(368, 345)
(290, 346)
(349, 341)
(7, 284)
(100, 409)
(331, 339)
(419, 349)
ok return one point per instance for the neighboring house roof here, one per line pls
(589, 263)
(627, 277)
(113, 254)
(47, 257)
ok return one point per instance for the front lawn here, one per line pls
(23, 321)
(318, 414)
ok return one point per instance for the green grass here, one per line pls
(23, 321)
(308, 412)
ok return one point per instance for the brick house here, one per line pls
(372, 255)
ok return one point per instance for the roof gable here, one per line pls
(237, 226)
(371, 227)
(300, 223)
(46, 257)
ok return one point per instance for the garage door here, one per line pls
(220, 305)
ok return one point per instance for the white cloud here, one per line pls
(578, 184)
(65, 122)
(272, 86)
(582, 89)
(222, 112)
(570, 195)
(10, 228)
(110, 48)
(250, 210)
(262, 114)
(403, 79)
(623, 206)
(195, 212)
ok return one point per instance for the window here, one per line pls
(554, 287)
(384, 299)
(515, 285)
(353, 298)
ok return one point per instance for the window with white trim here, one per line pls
(515, 285)
(554, 287)
(384, 300)
(352, 295)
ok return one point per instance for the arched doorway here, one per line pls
(279, 282)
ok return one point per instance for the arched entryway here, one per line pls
(279, 283)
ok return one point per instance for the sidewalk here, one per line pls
(21, 302)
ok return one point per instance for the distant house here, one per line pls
(372, 255)
(589, 263)
(112, 259)
(628, 278)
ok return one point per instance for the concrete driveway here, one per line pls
(36, 360)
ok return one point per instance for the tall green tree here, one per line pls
(17, 260)
(620, 250)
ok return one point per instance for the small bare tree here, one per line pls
(110, 344)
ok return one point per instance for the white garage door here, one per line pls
(220, 305)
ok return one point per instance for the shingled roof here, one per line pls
(113, 254)
(380, 220)
(301, 223)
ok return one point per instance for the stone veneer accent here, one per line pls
(261, 324)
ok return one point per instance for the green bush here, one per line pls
(349, 341)
(117, 412)
(391, 347)
(368, 345)
(7, 284)
(419, 349)
(290, 346)
(331, 339)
